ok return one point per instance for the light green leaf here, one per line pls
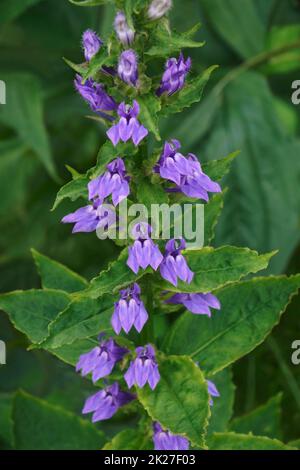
(24, 113)
(216, 267)
(129, 439)
(81, 319)
(73, 190)
(263, 421)
(180, 400)
(57, 276)
(31, 311)
(41, 426)
(222, 409)
(249, 311)
(232, 441)
(150, 107)
(165, 43)
(239, 23)
(217, 169)
(190, 94)
(278, 38)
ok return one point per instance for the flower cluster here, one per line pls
(185, 174)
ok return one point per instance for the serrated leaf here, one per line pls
(190, 94)
(70, 353)
(216, 267)
(98, 61)
(109, 152)
(31, 311)
(72, 190)
(249, 311)
(165, 43)
(57, 276)
(232, 441)
(81, 319)
(149, 109)
(222, 409)
(180, 400)
(39, 425)
(217, 169)
(263, 421)
(129, 439)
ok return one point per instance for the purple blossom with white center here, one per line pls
(174, 264)
(129, 311)
(174, 76)
(124, 32)
(128, 126)
(91, 44)
(114, 182)
(159, 8)
(105, 404)
(90, 218)
(144, 252)
(185, 172)
(128, 67)
(143, 368)
(95, 95)
(199, 304)
(212, 391)
(165, 440)
(101, 360)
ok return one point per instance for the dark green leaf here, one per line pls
(232, 441)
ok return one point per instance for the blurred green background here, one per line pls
(247, 106)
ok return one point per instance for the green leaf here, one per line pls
(81, 319)
(6, 424)
(129, 439)
(150, 107)
(190, 94)
(148, 193)
(239, 23)
(11, 10)
(180, 400)
(295, 444)
(31, 311)
(232, 441)
(70, 353)
(97, 62)
(116, 277)
(263, 421)
(212, 212)
(57, 276)
(222, 409)
(278, 38)
(72, 190)
(217, 169)
(249, 311)
(41, 426)
(89, 3)
(24, 113)
(109, 152)
(216, 267)
(164, 43)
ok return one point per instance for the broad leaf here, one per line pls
(232, 441)
(57, 276)
(222, 409)
(41, 426)
(6, 424)
(212, 212)
(31, 311)
(149, 109)
(73, 190)
(249, 311)
(130, 439)
(216, 267)
(217, 169)
(180, 400)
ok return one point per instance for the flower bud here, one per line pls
(159, 8)
(124, 33)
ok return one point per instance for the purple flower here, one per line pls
(90, 218)
(94, 94)
(124, 33)
(128, 67)
(213, 391)
(129, 311)
(185, 172)
(143, 369)
(165, 440)
(91, 44)
(144, 252)
(101, 360)
(159, 8)
(199, 304)
(174, 265)
(128, 126)
(105, 404)
(174, 76)
(114, 181)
